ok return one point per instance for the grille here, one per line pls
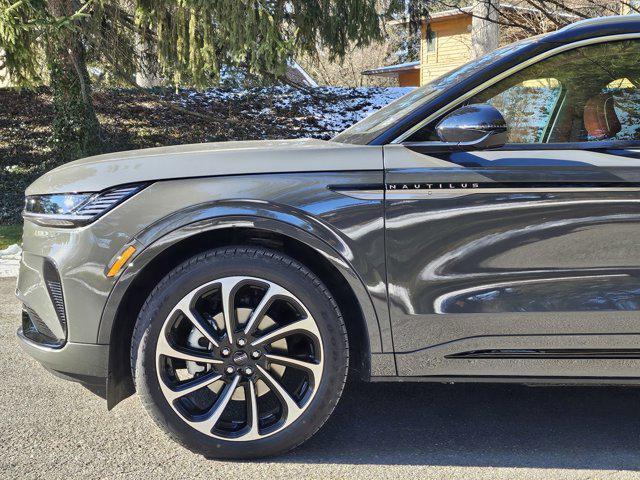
(54, 287)
(34, 328)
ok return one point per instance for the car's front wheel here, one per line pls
(240, 353)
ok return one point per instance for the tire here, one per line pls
(309, 364)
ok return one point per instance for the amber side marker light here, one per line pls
(121, 260)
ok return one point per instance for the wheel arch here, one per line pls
(164, 253)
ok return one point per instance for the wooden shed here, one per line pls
(408, 74)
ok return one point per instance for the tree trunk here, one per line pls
(485, 32)
(76, 130)
(147, 74)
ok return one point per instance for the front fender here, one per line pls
(259, 215)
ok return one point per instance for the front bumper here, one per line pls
(69, 310)
(79, 258)
(63, 289)
(83, 362)
(63, 294)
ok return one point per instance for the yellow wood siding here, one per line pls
(452, 49)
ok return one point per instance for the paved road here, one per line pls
(54, 429)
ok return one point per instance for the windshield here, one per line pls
(372, 126)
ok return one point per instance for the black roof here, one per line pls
(594, 27)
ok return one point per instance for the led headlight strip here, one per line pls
(75, 209)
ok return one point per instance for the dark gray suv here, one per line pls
(485, 227)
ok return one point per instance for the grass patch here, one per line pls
(10, 234)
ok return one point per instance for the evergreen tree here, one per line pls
(193, 40)
(49, 32)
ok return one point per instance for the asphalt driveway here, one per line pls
(54, 429)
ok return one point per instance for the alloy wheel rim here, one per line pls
(244, 379)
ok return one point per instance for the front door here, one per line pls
(524, 260)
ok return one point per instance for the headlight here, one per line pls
(75, 209)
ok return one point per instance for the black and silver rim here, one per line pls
(239, 358)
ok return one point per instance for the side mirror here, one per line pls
(473, 127)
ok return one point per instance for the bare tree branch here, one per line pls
(499, 21)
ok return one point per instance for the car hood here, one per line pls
(93, 174)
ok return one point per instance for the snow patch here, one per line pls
(320, 112)
(10, 261)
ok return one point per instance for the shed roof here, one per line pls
(392, 70)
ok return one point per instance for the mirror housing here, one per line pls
(473, 127)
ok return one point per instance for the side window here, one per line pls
(528, 108)
(624, 95)
(586, 94)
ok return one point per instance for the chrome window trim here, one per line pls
(506, 73)
(631, 145)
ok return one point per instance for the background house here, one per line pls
(446, 43)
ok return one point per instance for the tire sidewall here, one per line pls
(263, 264)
